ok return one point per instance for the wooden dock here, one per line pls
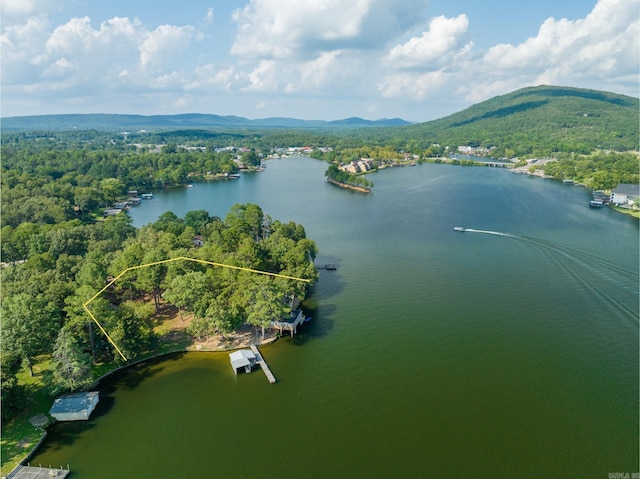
(263, 364)
(29, 472)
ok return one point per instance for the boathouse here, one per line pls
(75, 407)
(243, 358)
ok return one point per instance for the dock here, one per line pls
(263, 364)
(29, 472)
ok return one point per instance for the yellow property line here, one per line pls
(180, 258)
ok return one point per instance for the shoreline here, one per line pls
(349, 186)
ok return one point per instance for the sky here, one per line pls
(418, 60)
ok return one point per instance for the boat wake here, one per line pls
(486, 232)
(613, 283)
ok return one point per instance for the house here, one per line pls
(625, 194)
(75, 407)
(243, 358)
(289, 322)
(198, 241)
(111, 212)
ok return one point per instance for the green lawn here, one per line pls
(18, 435)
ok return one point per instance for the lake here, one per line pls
(431, 352)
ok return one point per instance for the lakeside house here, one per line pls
(198, 241)
(625, 195)
(288, 322)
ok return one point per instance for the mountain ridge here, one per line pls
(113, 121)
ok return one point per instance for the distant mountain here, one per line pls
(545, 117)
(112, 122)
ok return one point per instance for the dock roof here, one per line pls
(242, 358)
(73, 403)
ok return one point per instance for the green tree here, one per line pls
(197, 219)
(250, 158)
(128, 331)
(112, 189)
(604, 180)
(29, 326)
(191, 292)
(150, 278)
(13, 394)
(71, 366)
(265, 302)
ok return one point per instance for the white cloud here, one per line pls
(119, 55)
(370, 54)
(416, 86)
(264, 77)
(600, 51)
(210, 16)
(319, 73)
(604, 43)
(21, 49)
(16, 10)
(161, 44)
(210, 76)
(60, 69)
(437, 45)
(303, 28)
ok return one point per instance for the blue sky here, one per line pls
(313, 59)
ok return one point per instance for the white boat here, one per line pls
(458, 228)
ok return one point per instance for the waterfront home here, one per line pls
(75, 407)
(198, 241)
(288, 322)
(625, 195)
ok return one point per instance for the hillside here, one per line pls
(112, 122)
(546, 118)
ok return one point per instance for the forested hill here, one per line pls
(112, 122)
(547, 118)
(534, 121)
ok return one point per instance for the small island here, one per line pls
(343, 179)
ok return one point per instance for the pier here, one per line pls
(28, 472)
(263, 364)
